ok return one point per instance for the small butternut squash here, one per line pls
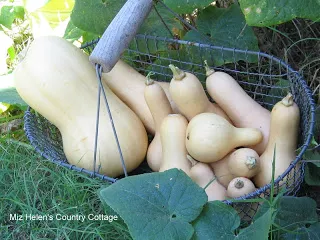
(159, 107)
(243, 162)
(243, 111)
(57, 80)
(285, 118)
(240, 186)
(202, 174)
(210, 137)
(174, 152)
(189, 95)
(128, 85)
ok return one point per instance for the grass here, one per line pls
(31, 185)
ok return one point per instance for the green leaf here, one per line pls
(290, 217)
(7, 16)
(216, 221)
(225, 28)
(95, 16)
(312, 175)
(272, 12)
(12, 53)
(304, 233)
(258, 229)
(9, 13)
(8, 93)
(157, 205)
(312, 156)
(186, 6)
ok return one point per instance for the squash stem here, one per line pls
(239, 184)
(149, 81)
(287, 100)
(178, 74)
(209, 70)
(251, 162)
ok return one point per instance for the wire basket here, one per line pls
(265, 78)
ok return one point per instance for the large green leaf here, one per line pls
(271, 12)
(291, 217)
(220, 221)
(304, 233)
(157, 205)
(216, 221)
(225, 28)
(186, 6)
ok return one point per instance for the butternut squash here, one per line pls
(128, 85)
(202, 174)
(285, 118)
(243, 111)
(159, 107)
(221, 171)
(239, 187)
(174, 152)
(243, 162)
(57, 80)
(189, 95)
(210, 137)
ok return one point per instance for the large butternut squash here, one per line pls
(57, 80)
(284, 128)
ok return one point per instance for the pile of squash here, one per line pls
(227, 147)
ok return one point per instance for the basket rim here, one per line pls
(253, 194)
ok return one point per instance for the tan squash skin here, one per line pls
(240, 186)
(174, 152)
(243, 111)
(202, 174)
(58, 81)
(285, 118)
(210, 137)
(243, 162)
(159, 107)
(189, 95)
(128, 85)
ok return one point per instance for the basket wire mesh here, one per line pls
(265, 78)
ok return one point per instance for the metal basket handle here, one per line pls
(119, 33)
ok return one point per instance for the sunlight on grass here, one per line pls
(31, 185)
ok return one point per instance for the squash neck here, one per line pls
(178, 74)
(248, 136)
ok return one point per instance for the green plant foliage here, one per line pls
(9, 13)
(162, 206)
(186, 6)
(95, 16)
(272, 12)
(157, 205)
(305, 233)
(227, 28)
(8, 93)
